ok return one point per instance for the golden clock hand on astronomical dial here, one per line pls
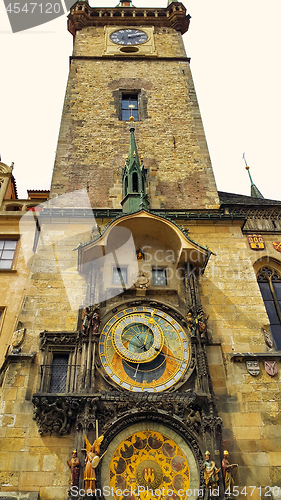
(129, 339)
(167, 355)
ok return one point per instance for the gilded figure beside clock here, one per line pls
(144, 349)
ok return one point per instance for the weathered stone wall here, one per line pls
(93, 142)
(29, 462)
(249, 405)
(13, 284)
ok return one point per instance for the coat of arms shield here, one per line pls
(17, 338)
(277, 245)
(256, 241)
(253, 367)
(271, 368)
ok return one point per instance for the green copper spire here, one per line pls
(134, 182)
(171, 1)
(255, 192)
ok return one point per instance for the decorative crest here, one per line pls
(277, 245)
(256, 241)
(271, 368)
(253, 368)
(18, 338)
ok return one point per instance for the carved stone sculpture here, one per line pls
(74, 465)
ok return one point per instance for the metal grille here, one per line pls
(59, 373)
(60, 377)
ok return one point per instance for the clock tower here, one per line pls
(131, 134)
(133, 325)
(122, 57)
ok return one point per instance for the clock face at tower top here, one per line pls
(129, 37)
(144, 349)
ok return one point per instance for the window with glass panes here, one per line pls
(119, 275)
(59, 373)
(159, 277)
(7, 253)
(269, 281)
(130, 107)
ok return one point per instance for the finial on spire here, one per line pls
(255, 192)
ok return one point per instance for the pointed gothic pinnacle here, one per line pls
(255, 192)
(133, 150)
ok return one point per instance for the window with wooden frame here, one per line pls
(7, 253)
(269, 280)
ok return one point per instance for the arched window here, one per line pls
(135, 183)
(269, 280)
(126, 186)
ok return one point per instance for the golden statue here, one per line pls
(210, 472)
(92, 460)
(228, 471)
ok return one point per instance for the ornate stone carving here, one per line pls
(58, 338)
(55, 413)
(142, 280)
(18, 338)
(91, 321)
(268, 338)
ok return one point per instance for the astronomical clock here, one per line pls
(144, 350)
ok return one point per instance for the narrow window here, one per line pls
(7, 253)
(2, 309)
(126, 186)
(269, 281)
(119, 275)
(59, 373)
(159, 276)
(130, 107)
(135, 183)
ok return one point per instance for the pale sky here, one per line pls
(235, 61)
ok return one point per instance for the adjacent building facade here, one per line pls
(151, 306)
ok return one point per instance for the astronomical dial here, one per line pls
(144, 349)
(128, 37)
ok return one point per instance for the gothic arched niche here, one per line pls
(269, 280)
(151, 456)
(144, 226)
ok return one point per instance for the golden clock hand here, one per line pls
(168, 356)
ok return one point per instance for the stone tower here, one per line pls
(143, 301)
(106, 73)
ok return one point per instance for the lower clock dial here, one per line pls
(144, 349)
